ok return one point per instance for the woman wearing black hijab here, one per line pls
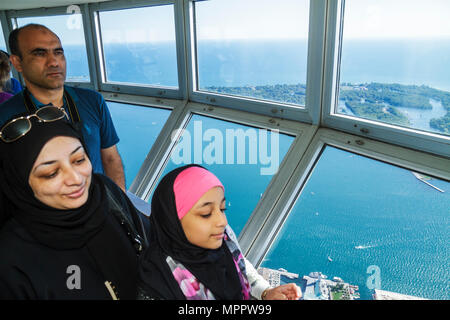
(66, 233)
(193, 254)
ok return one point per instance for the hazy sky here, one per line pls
(252, 19)
(262, 19)
(397, 18)
(151, 24)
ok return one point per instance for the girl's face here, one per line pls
(61, 174)
(204, 225)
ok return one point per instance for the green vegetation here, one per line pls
(373, 101)
(377, 101)
(396, 95)
(294, 94)
(377, 111)
(339, 292)
(442, 124)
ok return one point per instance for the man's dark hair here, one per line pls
(13, 39)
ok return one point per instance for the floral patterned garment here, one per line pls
(195, 290)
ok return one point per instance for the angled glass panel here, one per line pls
(137, 127)
(139, 46)
(244, 159)
(395, 63)
(253, 48)
(369, 223)
(69, 29)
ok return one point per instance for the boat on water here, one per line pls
(361, 247)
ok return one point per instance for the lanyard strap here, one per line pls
(73, 111)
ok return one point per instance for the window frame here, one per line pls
(4, 23)
(306, 114)
(266, 233)
(415, 139)
(7, 27)
(174, 106)
(139, 89)
(159, 155)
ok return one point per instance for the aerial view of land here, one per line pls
(373, 101)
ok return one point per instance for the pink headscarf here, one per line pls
(190, 185)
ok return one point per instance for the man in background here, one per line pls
(37, 53)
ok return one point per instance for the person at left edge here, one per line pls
(12, 85)
(37, 53)
(4, 76)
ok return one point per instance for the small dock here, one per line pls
(422, 178)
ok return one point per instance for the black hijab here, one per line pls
(53, 227)
(90, 226)
(213, 268)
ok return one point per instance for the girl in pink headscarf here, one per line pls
(193, 254)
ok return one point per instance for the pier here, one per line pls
(422, 178)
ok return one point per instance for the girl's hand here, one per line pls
(288, 291)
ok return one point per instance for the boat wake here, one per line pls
(364, 247)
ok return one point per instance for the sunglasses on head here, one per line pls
(18, 127)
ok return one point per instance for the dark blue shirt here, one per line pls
(15, 85)
(98, 128)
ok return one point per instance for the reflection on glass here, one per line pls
(69, 29)
(374, 225)
(137, 127)
(253, 48)
(139, 45)
(394, 64)
(243, 158)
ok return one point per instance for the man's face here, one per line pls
(43, 63)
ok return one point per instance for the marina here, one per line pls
(314, 286)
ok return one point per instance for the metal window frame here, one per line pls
(411, 138)
(7, 27)
(179, 119)
(267, 232)
(307, 114)
(176, 107)
(159, 155)
(140, 89)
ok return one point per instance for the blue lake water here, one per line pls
(240, 63)
(358, 211)
(362, 212)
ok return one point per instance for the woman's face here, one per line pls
(61, 174)
(205, 223)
